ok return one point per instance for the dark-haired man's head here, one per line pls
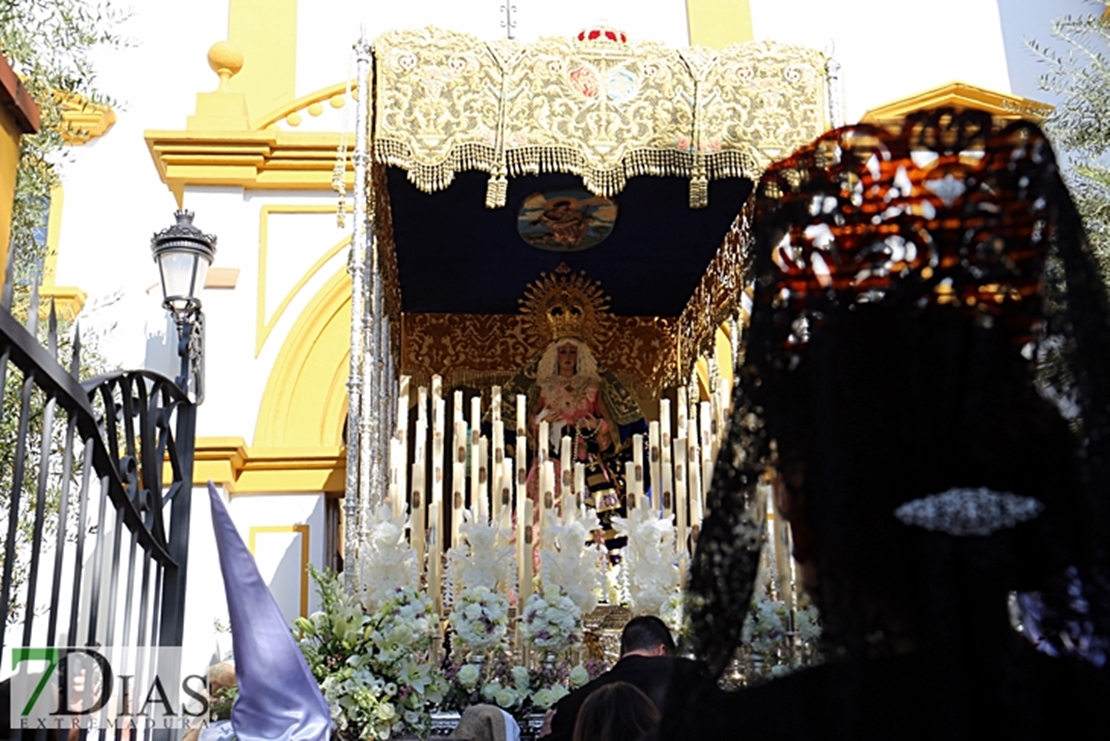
(646, 635)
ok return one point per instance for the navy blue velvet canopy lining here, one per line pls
(456, 256)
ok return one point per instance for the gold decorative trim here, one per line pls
(718, 294)
(480, 349)
(961, 95)
(303, 531)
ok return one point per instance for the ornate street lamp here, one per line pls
(183, 254)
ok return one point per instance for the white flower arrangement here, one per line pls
(373, 668)
(570, 559)
(649, 563)
(386, 559)
(480, 560)
(550, 620)
(769, 648)
(480, 618)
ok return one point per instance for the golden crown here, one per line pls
(561, 304)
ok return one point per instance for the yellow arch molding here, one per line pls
(298, 446)
(263, 324)
(305, 400)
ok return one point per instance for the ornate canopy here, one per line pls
(467, 136)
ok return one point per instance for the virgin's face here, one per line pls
(568, 360)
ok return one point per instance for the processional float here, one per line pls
(483, 171)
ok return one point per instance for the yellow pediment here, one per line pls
(961, 95)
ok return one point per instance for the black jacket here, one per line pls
(650, 674)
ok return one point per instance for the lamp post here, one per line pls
(183, 254)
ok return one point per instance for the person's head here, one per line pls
(646, 635)
(615, 712)
(567, 357)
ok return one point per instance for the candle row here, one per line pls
(678, 468)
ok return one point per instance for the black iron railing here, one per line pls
(95, 487)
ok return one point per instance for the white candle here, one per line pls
(579, 484)
(437, 450)
(681, 402)
(666, 476)
(403, 440)
(706, 422)
(631, 496)
(457, 408)
(395, 465)
(483, 480)
(497, 468)
(459, 441)
(504, 501)
(521, 425)
(680, 502)
(403, 392)
(495, 404)
(566, 473)
(435, 563)
(417, 516)
(475, 418)
(694, 473)
(475, 470)
(638, 462)
(655, 461)
(547, 482)
(524, 553)
(521, 469)
(542, 448)
(421, 423)
(458, 500)
(665, 429)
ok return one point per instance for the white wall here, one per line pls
(891, 50)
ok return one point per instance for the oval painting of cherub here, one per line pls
(565, 220)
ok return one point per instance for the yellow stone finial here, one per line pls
(224, 109)
(225, 59)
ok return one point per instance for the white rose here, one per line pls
(468, 676)
(578, 676)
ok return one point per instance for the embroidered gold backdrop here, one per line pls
(477, 349)
(601, 109)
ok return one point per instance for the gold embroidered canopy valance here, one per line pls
(599, 108)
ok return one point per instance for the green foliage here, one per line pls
(49, 44)
(1080, 125)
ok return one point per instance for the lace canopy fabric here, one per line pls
(950, 210)
(599, 107)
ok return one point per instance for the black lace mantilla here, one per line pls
(950, 209)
